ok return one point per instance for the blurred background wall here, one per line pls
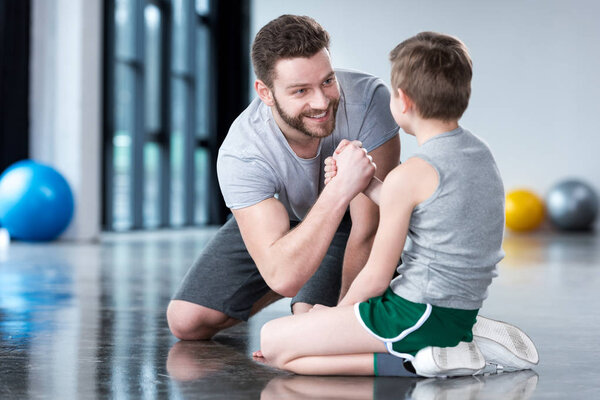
(130, 99)
(534, 95)
(66, 102)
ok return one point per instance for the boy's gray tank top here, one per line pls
(455, 237)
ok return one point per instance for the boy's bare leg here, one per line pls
(329, 341)
(308, 387)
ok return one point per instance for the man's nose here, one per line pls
(319, 101)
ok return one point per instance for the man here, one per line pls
(270, 170)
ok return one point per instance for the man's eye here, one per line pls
(328, 81)
(300, 91)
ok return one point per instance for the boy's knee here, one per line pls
(270, 345)
(267, 342)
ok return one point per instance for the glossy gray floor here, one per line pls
(87, 321)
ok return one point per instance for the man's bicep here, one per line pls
(386, 157)
(261, 225)
(245, 182)
(365, 216)
(378, 126)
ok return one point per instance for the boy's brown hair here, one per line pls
(288, 36)
(434, 70)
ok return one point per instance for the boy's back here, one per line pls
(455, 236)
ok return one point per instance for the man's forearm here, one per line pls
(296, 256)
(287, 259)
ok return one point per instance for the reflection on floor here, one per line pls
(87, 321)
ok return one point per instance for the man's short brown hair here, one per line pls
(434, 70)
(288, 36)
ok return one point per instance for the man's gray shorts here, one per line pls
(225, 278)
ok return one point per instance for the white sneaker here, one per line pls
(460, 360)
(504, 345)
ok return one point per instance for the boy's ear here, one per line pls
(263, 91)
(405, 101)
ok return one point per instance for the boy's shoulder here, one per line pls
(414, 180)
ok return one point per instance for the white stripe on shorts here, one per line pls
(389, 341)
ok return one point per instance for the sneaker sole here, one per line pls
(463, 360)
(504, 344)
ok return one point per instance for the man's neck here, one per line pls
(306, 148)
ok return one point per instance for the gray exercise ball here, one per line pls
(572, 205)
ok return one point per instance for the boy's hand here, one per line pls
(330, 169)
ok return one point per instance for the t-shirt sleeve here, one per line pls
(244, 182)
(379, 125)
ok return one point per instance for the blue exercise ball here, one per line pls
(36, 202)
(572, 205)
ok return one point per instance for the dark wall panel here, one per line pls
(232, 56)
(14, 80)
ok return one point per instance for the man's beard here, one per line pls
(297, 122)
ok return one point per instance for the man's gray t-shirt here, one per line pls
(256, 162)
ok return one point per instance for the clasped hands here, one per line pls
(352, 164)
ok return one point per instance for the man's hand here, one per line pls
(330, 165)
(351, 166)
(344, 143)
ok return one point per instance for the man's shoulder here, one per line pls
(246, 129)
(357, 86)
(352, 74)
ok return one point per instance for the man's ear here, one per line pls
(405, 102)
(263, 91)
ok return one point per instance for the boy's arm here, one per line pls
(373, 191)
(365, 216)
(406, 186)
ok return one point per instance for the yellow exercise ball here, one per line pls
(524, 210)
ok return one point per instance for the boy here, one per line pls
(448, 200)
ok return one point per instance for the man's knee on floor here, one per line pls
(187, 323)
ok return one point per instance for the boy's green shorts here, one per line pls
(407, 327)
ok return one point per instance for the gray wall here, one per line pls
(65, 101)
(536, 72)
